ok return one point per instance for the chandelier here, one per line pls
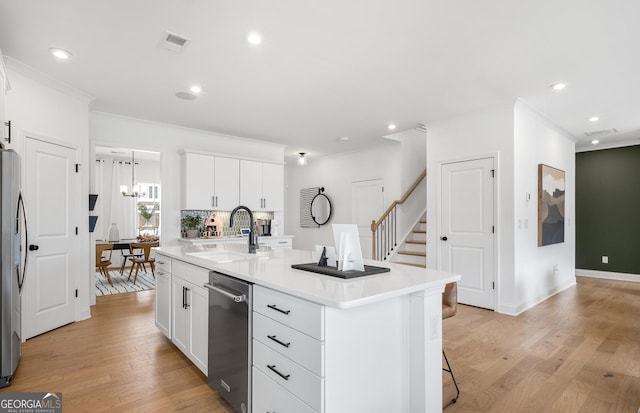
(135, 190)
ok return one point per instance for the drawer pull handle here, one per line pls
(161, 262)
(273, 307)
(273, 369)
(279, 342)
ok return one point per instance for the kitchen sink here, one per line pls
(218, 256)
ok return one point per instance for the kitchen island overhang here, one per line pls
(382, 333)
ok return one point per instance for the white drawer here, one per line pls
(163, 264)
(302, 315)
(293, 377)
(269, 397)
(276, 243)
(299, 347)
(192, 273)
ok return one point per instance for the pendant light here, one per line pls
(135, 193)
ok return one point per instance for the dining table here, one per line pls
(122, 244)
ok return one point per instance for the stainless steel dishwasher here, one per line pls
(230, 339)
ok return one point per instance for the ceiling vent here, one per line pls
(174, 42)
(602, 132)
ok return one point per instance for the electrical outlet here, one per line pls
(605, 259)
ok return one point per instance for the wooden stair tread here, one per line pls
(410, 241)
(423, 221)
(419, 231)
(414, 253)
(412, 264)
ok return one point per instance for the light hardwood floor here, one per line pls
(578, 351)
(117, 361)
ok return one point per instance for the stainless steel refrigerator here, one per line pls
(13, 259)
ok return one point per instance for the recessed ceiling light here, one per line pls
(186, 96)
(343, 138)
(595, 142)
(594, 119)
(254, 38)
(60, 53)
(559, 86)
(196, 89)
(391, 126)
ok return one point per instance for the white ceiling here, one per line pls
(334, 68)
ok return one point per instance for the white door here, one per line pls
(367, 204)
(52, 213)
(467, 229)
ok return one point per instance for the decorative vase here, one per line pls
(192, 233)
(114, 234)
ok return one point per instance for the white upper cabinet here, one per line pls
(3, 90)
(261, 186)
(210, 182)
(273, 187)
(227, 183)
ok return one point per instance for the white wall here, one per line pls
(479, 134)
(170, 141)
(335, 174)
(539, 141)
(38, 107)
(521, 139)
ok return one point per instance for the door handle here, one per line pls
(444, 238)
(33, 247)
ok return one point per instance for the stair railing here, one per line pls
(384, 230)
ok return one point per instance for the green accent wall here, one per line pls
(608, 209)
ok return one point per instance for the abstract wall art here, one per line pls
(551, 190)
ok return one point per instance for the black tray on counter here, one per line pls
(333, 271)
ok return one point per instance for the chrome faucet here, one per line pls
(252, 243)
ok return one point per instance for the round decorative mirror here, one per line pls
(320, 208)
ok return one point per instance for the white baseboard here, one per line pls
(620, 276)
(519, 309)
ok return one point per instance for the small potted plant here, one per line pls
(191, 223)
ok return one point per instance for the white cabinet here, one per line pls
(190, 312)
(210, 182)
(276, 242)
(3, 89)
(163, 294)
(261, 186)
(288, 353)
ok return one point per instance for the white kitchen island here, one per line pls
(367, 344)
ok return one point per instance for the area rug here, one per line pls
(121, 285)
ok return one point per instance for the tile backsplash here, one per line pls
(241, 220)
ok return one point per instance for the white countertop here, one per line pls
(272, 268)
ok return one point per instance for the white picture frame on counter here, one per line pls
(348, 251)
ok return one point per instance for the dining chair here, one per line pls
(103, 259)
(449, 309)
(128, 255)
(139, 261)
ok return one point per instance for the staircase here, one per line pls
(414, 250)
